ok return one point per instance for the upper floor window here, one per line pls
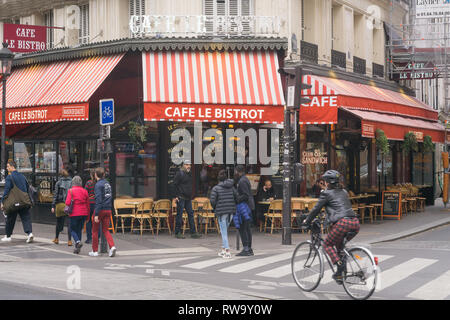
(137, 8)
(49, 21)
(84, 24)
(226, 8)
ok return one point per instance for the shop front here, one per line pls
(339, 130)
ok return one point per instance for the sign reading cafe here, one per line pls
(169, 26)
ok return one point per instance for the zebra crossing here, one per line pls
(393, 273)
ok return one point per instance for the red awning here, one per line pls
(212, 86)
(58, 91)
(328, 94)
(395, 127)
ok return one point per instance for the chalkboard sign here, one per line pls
(392, 204)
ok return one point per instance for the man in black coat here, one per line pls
(183, 195)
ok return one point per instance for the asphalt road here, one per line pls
(412, 268)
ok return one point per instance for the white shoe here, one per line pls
(30, 238)
(227, 255)
(112, 252)
(6, 239)
(93, 254)
(221, 253)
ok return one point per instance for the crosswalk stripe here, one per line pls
(437, 289)
(404, 270)
(207, 263)
(169, 260)
(277, 272)
(242, 267)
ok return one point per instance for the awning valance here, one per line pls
(212, 86)
(55, 92)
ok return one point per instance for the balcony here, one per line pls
(377, 70)
(359, 65)
(338, 59)
(309, 52)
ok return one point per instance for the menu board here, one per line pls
(392, 204)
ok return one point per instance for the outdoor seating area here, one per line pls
(411, 199)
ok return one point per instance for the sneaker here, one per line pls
(245, 253)
(221, 253)
(93, 254)
(196, 235)
(227, 255)
(78, 246)
(6, 239)
(55, 241)
(180, 236)
(30, 238)
(112, 252)
(69, 243)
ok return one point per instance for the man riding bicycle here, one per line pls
(340, 214)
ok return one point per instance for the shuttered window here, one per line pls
(48, 19)
(84, 24)
(226, 8)
(137, 8)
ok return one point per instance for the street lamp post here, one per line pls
(6, 59)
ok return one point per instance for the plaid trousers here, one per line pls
(337, 234)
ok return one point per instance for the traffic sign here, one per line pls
(106, 112)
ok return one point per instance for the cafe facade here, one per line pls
(158, 85)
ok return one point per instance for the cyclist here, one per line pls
(340, 214)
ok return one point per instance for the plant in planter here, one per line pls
(138, 134)
(382, 142)
(428, 145)
(410, 143)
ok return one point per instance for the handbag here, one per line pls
(16, 200)
(68, 208)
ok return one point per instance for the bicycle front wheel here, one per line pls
(307, 266)
(361, 274)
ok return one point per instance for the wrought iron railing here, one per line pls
(309, 52)
(359, 65)
(377, 70)
(338, 59)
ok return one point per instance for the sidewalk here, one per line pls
(134, 244)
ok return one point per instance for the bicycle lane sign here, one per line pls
(106, 112)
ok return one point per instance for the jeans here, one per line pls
(104, 217)
(25, 216)
(76, 226)
(224, 222)
(246, 234)
(184, 204)
(89, 225)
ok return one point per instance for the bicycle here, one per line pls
(360, 273)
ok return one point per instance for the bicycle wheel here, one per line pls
(307, 266)
(361, 274)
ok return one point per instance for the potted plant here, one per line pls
(428, 145)
(138, 134)
(410, 143)
(382, 142)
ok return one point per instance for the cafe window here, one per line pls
(384, 169)
(364, 169)
(45, 156)
(23, 156)
(422, 171)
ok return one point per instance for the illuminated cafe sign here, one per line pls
(418, 71)
(201, 25)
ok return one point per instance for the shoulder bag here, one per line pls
(68, 208)
(16, 200)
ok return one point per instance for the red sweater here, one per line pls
(81, 201)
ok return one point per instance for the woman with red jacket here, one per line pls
(80, 210)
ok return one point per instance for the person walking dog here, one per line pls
(245, 205)
(78, 201)
(223, 200)
(16, 179)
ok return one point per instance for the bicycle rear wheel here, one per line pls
(361, 274)
(307, 266)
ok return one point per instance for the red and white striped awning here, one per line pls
(217, 80)
(55, 92)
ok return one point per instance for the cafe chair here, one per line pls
(142, 215)
(378, 207)
(122, 212)
(161, 210)
(275, 215)
(297, 209)
(208, 217)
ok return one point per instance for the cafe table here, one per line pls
(135, 204)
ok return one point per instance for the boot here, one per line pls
(56, 241)
(338, 276)
(69, 243)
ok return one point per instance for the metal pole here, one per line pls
(3, 168)
(103, 247)
(286, 238)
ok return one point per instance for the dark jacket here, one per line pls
(243, 213)
(264, 195)
(244, 191)
(223, 198)
(19, 180)
(103, 196)
(337, 205)
(62, 186)
(183, 185)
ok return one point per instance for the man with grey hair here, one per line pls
(78, 199)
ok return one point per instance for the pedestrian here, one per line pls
(183, 195)
(244, 207)
(59, 202)
(223, 200)
(102, 213)
(89, 186)
(80, 210)
(19, 180)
